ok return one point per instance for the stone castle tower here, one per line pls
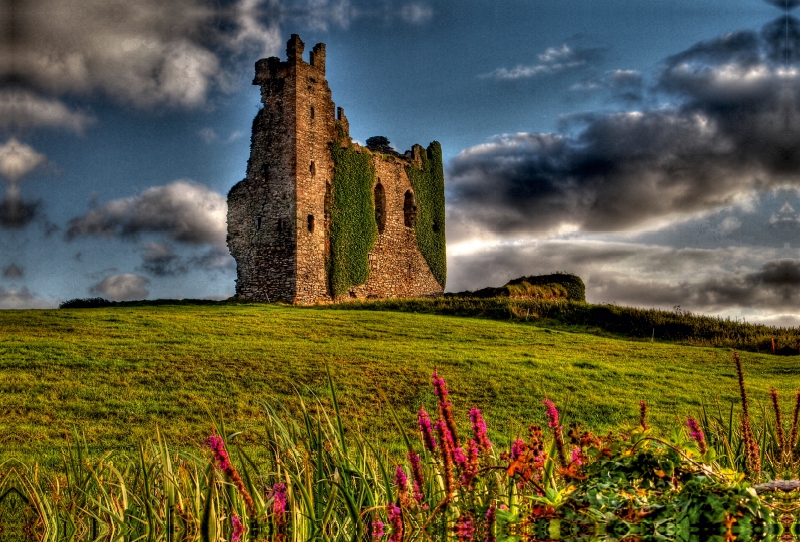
(292, 225)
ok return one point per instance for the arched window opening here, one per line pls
(312, 168)
(311, 223)
(380, 207)
(409, 210)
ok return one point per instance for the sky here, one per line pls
(652, 148)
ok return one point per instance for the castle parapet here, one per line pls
(317, 57)
(294, 49)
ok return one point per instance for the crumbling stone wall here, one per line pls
(279, 215)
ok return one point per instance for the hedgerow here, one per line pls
(353, 231)
(428, 184)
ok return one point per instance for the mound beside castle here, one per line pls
(320, 218)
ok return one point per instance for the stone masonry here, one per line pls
(278, 216)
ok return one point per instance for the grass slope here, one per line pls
(117, 372)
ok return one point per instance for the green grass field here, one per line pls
(115, 373)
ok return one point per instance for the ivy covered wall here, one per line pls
(353, 230)
(428, 185)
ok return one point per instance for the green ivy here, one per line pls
(353, 231)
(428, 184)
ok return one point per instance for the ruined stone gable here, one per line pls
(291, 223)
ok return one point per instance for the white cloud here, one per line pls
(208, 135)
(185, 211)
(550, 61)
(23, 299)
(125, 287)
(18, 159)
(23, 109)
(416, 13)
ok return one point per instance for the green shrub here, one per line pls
(428, 184)
(353, 231)
(85, 303)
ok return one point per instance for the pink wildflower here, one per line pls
(479, 429)
(517, 448)
(577, 456)
(223, 461)
(238, 528)
(378, 529)
(446, 442)
(552, 413)
(464, 528)
(445, 408)
(416, 474)
(491, 518)
(696, 434)
(400, 478)
(279, 503)
(426, 430)
(396, 522)
(471, 466)
(401, 481)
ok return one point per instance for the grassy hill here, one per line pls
(116, 372)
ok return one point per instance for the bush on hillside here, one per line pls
(551, 287)
(85, 303)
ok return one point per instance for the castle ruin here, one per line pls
(319, 218)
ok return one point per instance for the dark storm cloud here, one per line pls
(160, 260)
(144, 52)
(12, 271)
(787, 4)
(184, 211)
(17, 213)
(731, 129)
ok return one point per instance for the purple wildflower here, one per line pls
(552, 413)
(396, 522)
(416, 474)
(696, 434)
(238, 528)
(479, 429)
(427, 430)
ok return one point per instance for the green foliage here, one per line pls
(353, 231)
(547, 287)
(85, 303)
(319, 479)
(428, 184)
